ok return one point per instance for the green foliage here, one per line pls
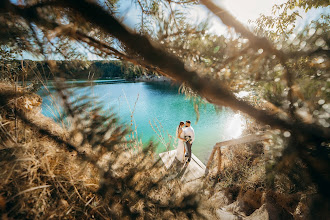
(284, 17)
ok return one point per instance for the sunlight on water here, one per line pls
(235, 126)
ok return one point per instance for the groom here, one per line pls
(189, 135)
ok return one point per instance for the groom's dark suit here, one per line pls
(189, 135)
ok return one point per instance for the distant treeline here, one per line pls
(73, 69)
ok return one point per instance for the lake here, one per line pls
(159, 105)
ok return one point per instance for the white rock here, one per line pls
(223, 215)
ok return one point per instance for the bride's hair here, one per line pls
(177, 130)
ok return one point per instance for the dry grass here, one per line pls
(240, 166)
(243, 181)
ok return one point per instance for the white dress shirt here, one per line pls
(189, 131)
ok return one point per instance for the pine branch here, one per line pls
(212, 90)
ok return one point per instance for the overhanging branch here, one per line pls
(213, 90)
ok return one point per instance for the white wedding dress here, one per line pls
(180, 150)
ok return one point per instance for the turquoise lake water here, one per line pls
(161, 104)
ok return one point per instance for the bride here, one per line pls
(180, 150)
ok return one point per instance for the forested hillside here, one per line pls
(73, 69)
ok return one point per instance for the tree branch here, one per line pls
(213, 90)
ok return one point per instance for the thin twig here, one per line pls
(28, 190)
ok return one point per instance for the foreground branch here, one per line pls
(156, 56)
(214, 91)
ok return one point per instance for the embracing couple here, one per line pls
(186, 136)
